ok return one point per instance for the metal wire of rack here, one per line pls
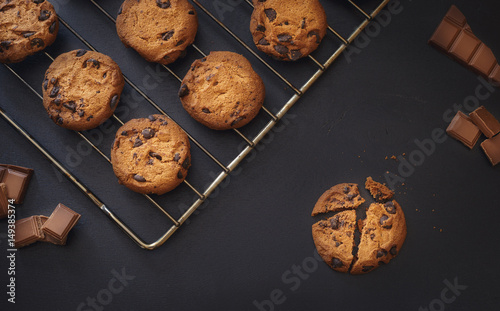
(202, 195)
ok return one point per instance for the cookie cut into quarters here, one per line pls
(26, 27)
(159, 30)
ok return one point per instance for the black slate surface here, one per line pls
(249, 247)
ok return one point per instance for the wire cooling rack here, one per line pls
(250, 142)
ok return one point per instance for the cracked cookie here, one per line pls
(81, 89)
(160, 31)
(339, 197)
(383, 232)
(151, 155)
(222, 91)
(288, 30)
(26, 27)
(334, 239)
(378, 191)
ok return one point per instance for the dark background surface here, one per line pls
(251, 240)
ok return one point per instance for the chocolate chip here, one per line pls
(337, 243)
(210, 76)
(390, 207)
(346, 189)
(59, 120)
(54, 91)
(381, 253)
(164, 122)
(177, 157)
(94, 62)
(57, 101)
(38, 42)
(70, 105)
(120, 10)
(137, 142)
(383, 219)
(295, 54)
(45, 83)
(148, 133)
(163, 4)
(155, 155)
(372, 236)
(263, 41)
(114, 101)
(150, 162)
(334, 222)
(81, 113)
(44, 15)
(167, 35)
(281, 49)
(191, 12)
(139, 178)
(52, 27)
(152, 118)
(183, 91)
(53, 80)
(350, 196)
(271, 14)
(124, 133)
(367, 268)
(284, 37)
(316, 34)
(90, 117)
(180, 42)
(393, 250)
(186, 163)
(134, 156)
(179, 175)
(36, 1)
(5, 44)
(205, 110)
(260, 28)
(28, 34)
(80, 53)
(381, 263)
(303, 23)
(237, 120)
(337, 263)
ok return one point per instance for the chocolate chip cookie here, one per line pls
(378, 191)
(382, 235)
(159, 30)
(222, 91)
(26, 27)
(288, 30)
(339, 197)
(151, 155)
(81, 89)
(334, 239)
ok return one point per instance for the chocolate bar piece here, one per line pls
(62, 220)
(17, 179)
(491, 147)
(27, 231)
(48, 238)
(454, 37)
(4, 203)
(485, 121)
(462, 129)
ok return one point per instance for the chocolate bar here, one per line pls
(48, 238)
(461, 128)
(28, 231)
(4, 203)
(454, 37)
(491, 147)
(62, 220)
(17, 179)
(485, 121)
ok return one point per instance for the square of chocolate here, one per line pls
(27, 232)
(491, 147)
(445, 35)
(485, 121)
(60, 222)
(461, 128)
(49, 238)
(456, 16)
(483, 60)
(495, 75)
(464, 46)
(17, 179)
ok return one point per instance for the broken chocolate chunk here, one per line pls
(179, 175)
(295, 54)
(316, 34)
(263, 41)
(284, 37)
(148, 133)
(137, 142)
(94, 62)
(393, 250)
(28, 34)
(390, 207)
(335, 223)
(124, 133)
(54, 91)
(163, 4)
(281, 49)
(205, 110)
(337, 263)
(52, 27)
(114, 101)
(381, 253)
(71, 105)
(167, 35)
(80, 53)
(186, 163)
(383, 219)
(37, 42)
(155, 155)
(44, 15)
(237, 120)
(260, 28)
